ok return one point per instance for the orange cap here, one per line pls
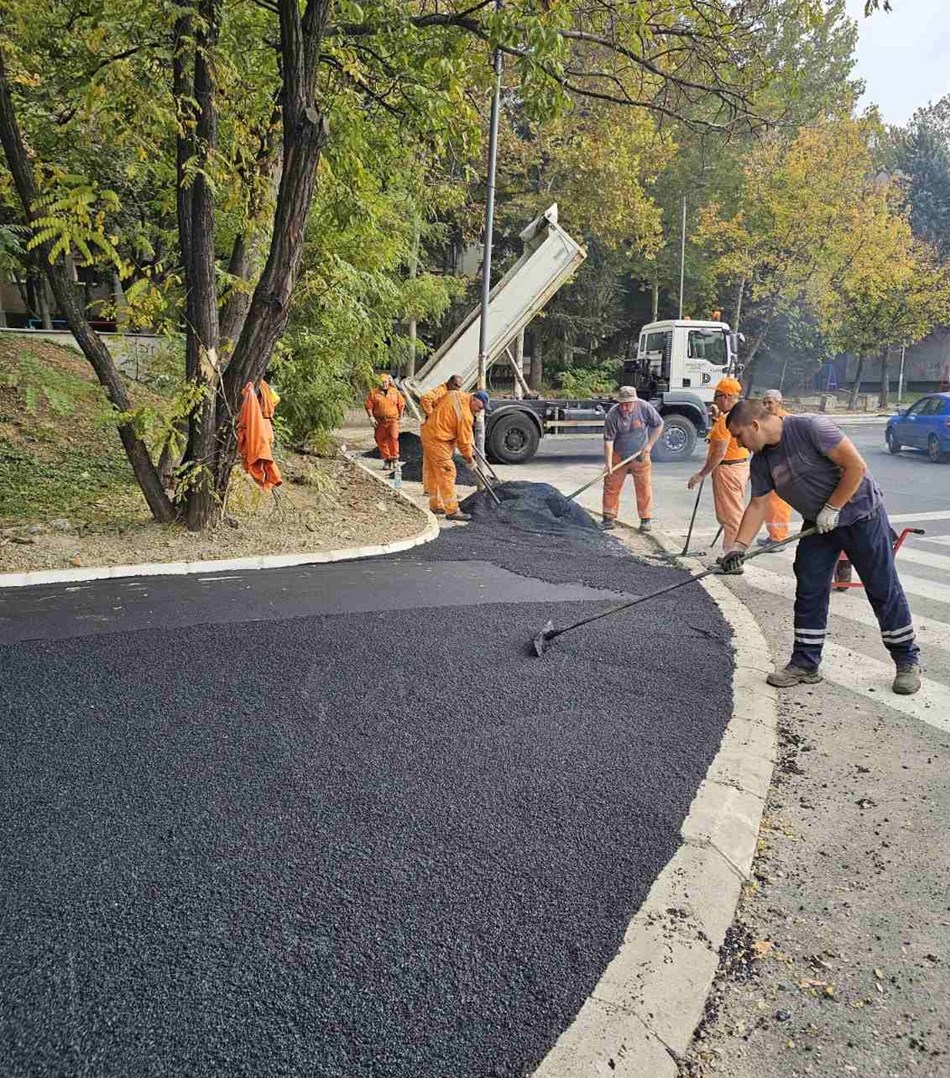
(729, 386)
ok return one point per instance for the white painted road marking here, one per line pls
(872, 678)
(852, 606)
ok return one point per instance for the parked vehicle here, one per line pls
(924, 425)
(678, 362)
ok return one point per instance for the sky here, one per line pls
(903, 55)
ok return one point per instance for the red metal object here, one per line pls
(842, 579)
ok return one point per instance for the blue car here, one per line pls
(924, 425)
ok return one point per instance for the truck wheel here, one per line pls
(513, 439)
(677, 441)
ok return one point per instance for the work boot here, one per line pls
(646, 525)
(793, 675)
(907, 680)
(458, 515)
(608, 525)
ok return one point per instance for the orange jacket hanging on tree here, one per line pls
(255, 435)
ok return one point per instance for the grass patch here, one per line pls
(60, 454)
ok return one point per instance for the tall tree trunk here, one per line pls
(42, 296)
(536, 374)
(413, 270)
(885, 384)
(305, 133)
(88, 340)
(738, 314)
(238, 303)
(856, 388)
(201, 282)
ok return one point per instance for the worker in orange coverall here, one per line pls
(384, 406)
(428, 402)
(778, 513)
(449, 427)
(727, 462)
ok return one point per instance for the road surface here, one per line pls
(338, 820)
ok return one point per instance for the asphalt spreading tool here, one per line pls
(686, 552)
(549, 633)
(486, 467)
(487, 483)
(603, 475)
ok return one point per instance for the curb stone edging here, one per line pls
(220, 565)
(639, 1019)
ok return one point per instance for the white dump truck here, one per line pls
(677, 362)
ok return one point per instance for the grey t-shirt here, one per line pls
(801, 473)
(629, 432)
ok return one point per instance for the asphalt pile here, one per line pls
(410, 453)
(539, 509)
(410, 448)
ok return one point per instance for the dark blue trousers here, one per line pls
(867, 544)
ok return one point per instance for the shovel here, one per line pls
(548, 633)
(603, 475)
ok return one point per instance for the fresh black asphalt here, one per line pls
(383, 842)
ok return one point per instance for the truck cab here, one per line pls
(678, 363)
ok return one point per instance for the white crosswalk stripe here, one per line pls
(923, 587)
(853, 606)
(856, 671)
(865, 674)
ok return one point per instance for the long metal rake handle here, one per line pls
(715, 570)
(604, 474)
(486, 482)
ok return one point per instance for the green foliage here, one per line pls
(34, 488)
(163, 427)
(600, 380)
(39, 385)
(921, 155)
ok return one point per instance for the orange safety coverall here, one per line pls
(778, 515)
(428, 402)
(386, 407)
(449, 427)
(642, 472)
(255, 436)
(729, 479)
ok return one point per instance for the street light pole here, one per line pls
(487, 251)
(900, 377)
(682, 255)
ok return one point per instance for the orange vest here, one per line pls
(452, 421)
(720, 433)
(385, 405)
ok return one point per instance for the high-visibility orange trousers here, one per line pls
(777, 518)
(387, 438)
(729, 483)
(429, 482)
(441, 476)
(641, 470)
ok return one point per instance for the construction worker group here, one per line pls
(793, 462)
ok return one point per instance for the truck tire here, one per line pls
(512, 439)
(677, 441)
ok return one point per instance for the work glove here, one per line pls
(827, 519)
(731, 561)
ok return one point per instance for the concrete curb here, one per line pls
(223, 565)
(639, 1020)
